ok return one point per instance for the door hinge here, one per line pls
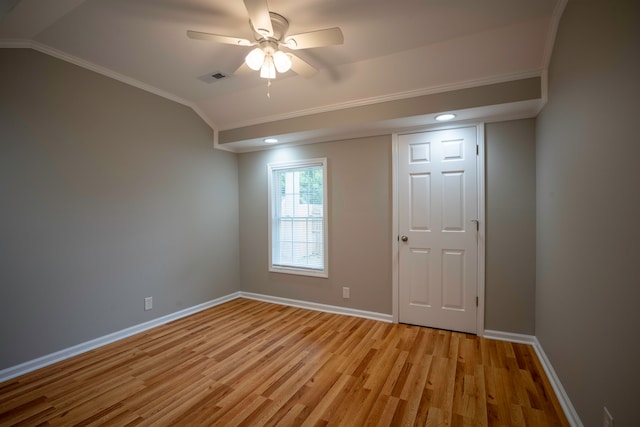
(477, 299)
(477, 150)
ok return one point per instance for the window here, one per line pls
(298, 217)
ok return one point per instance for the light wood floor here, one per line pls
(253, 363)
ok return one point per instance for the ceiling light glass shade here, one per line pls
(255, 59)
(282, 61)
(268, 70)
(445, 117)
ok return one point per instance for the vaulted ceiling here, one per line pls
(392, 49)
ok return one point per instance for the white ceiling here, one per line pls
(392, 49)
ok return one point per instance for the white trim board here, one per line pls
(91, 66)
(49, 359)
(319, 307)
(200, 111)
(449, 87)
(58, 356)
(509, 336)
(553, 31)
(41, 362)
(561, 394)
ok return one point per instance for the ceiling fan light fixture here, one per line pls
(270, 34)
(268, 70)
(282, 61)
(255, 59)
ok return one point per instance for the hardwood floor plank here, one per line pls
(394, 374)
(386, 417)
(326, 402)
(250, 363)
(288, 418)
(414, 389)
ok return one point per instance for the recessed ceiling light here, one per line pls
(270, 140)
(445, 117)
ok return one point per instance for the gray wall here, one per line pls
(588, 208)
(359, 180)
(360, 225)
(510, 269)
(108, 194)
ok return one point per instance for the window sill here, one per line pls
(300, 272)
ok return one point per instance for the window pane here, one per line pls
(297, 222)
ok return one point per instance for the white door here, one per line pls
(437, 219)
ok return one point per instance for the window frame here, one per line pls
(296, 164)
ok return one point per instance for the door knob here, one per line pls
(404, 238)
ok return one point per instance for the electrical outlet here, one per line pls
(148, 303)
(346, 292)
(607, 419)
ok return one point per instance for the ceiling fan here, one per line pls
(270, 31)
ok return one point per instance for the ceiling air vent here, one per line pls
(212, 77)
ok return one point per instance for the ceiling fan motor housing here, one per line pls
(280, 26)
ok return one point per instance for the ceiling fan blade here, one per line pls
(301, 67)
(327, 37)
(197, 35)
(259, 16)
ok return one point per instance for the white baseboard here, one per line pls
(49, 359)
(32, 365)
(509, 336)
(319, 307)
(569, 410)
(561, 394)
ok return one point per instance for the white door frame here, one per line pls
(395, 251)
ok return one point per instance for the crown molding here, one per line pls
(389, 97)
(15, 44)
(48, 50)
(553, 30)
(201, 112)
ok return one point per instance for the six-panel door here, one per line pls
(438, 207)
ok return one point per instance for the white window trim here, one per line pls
(271, 167)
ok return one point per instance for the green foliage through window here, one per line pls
(310, 180)
(311, 186)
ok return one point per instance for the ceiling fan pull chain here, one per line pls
(268, 87)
